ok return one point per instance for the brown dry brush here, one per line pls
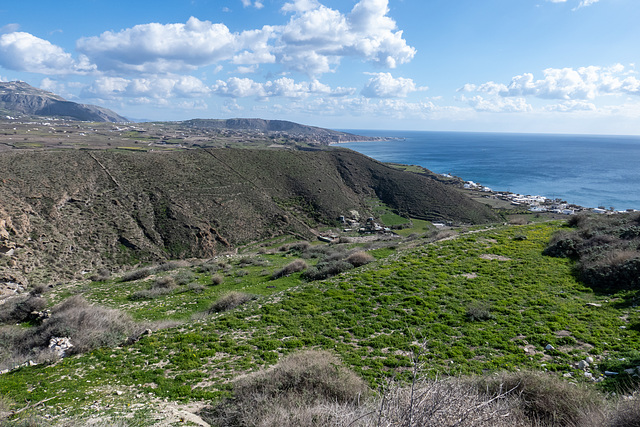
(313, 388)
(87, 326)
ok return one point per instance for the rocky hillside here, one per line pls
(18, 98)
(66, 211)
(280, 128)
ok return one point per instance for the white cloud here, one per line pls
(497, 104)
(316, 36)
(10, 28)
(585, 83)
(236, 87)
(150, 88)
(313, 42)
(571, 106)
(283, 87)
(257, 4)
(25, 52)
(584, 3)
(384, 85)
(155, 48)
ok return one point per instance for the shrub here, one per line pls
(164, 282)
(479, 310)
(138, 274)
(627, 414)
(88, 327)
(359, 258)
(548, 400)
(217, 279)
(21, 308)
(172, 265)
(298, 382)
(325, 270)
(230, 301)
(292, 267)
(101, 275)
(196, 288)
(184, 277)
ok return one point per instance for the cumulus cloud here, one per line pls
(585, 83)
(320, 36)
(156, 48)
(283, 87)
(150, 88)
(21, 51)
(384, 85)
(313, 41)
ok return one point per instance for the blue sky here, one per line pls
(551, 66)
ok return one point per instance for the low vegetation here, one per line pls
(606, 249)
(478, 326)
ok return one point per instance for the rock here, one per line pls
(589, 359)
(549, 347)
(60, 345)
(630, 371)
(593, 304)
(588, 375)
(610, 373)
(567, 375)
(583, 364)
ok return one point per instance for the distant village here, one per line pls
(540, 203)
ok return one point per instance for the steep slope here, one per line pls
(66, 211)
(19, 97)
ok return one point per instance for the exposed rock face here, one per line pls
(19, 97)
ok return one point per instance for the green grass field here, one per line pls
(487, 301)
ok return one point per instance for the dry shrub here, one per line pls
(138, 274)
(292, 267)
(443, 403)
(21, 308)
(87, 326)
(298, 391)
(359, 258)
(548, 400)
(217, 279)
(101, 275)
(173, 265)
(324, 270)
(627, 414)
(184, 277)
(229, 301)
(196, 288)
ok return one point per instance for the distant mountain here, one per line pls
(282, 128)
(17, 98)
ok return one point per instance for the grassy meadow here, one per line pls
(479, 303)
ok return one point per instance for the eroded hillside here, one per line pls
(62, 212)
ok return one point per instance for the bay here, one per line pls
(588, 170)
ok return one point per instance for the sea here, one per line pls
(586, 170)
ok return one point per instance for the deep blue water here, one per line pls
(588, 170)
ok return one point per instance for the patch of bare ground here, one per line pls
(493, 257)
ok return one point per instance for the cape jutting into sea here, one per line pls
(587, 170)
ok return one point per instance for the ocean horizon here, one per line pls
(587, 170)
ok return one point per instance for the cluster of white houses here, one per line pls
(538, 203)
